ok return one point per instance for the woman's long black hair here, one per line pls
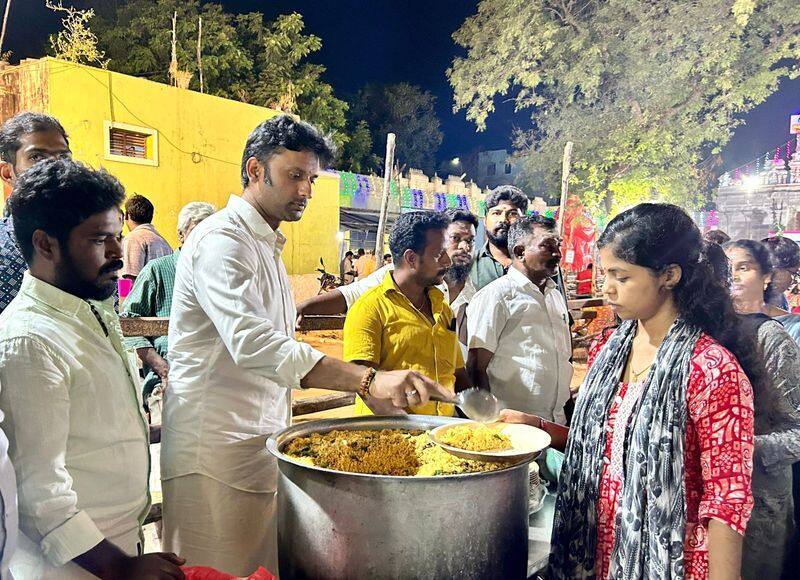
(657, 235)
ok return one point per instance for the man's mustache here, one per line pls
(112, 266)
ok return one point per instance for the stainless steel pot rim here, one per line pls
(279, 439)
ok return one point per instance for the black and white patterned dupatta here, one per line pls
(651, 517)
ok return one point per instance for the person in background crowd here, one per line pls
(143, 243)
(25, 139)
(504, 205)
(406, 323)
(716, 237)
(234, 359)
(519, 338)
(457, 286)
(585, 281)
(678, 370)
(771, 531)
(360, 253)
(347, 269)
(365, 265)
(77, 434)
(387, 259)
(784, 256)
(785, 261)
(151, 295)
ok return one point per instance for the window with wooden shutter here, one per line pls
(130, 143)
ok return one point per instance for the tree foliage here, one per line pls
(244, 56)
(406, 110)
(649, 90)
(75, 42)
(357, 155)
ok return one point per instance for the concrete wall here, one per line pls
(500, 158)
(200, 140)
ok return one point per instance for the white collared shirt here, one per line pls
(528, 332)
(358, 288)
(78, 437)
(233, 355)
(8, 504)
(464, 297)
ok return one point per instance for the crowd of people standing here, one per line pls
(677, 459)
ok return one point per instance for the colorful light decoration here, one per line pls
(355, 191)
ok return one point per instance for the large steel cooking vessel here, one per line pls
(348, 525)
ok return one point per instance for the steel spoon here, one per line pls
(477, 404)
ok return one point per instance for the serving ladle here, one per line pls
(477, 404)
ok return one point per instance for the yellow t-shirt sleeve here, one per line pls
(363, 332)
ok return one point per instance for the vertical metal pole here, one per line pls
(387, 180)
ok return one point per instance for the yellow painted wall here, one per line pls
(200, 143)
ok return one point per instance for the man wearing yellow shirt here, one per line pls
(405, 322)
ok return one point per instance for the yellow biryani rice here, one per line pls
(476, 437)
(380, 452)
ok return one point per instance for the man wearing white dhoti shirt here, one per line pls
(235, 360)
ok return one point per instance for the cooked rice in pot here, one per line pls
(380, 452)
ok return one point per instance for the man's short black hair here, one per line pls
(139, 209)
(387, 256)
(409, 232)
(13, 130)
(360, 252)
(285, 132)
(461, 215)
(56, 195)
(508, 193)
(524, 227)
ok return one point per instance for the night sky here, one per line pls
(386, 41)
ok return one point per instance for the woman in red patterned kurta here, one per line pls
(718, 456)
(656, 479)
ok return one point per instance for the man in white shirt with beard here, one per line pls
(70, 390)
(234, 360)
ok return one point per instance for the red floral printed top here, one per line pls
(718, 454)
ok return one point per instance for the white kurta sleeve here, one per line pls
(354, 291)
(225, 285)
(35, 398)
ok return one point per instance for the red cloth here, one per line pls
(206, 573)
(718, 455)
(584, 282)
